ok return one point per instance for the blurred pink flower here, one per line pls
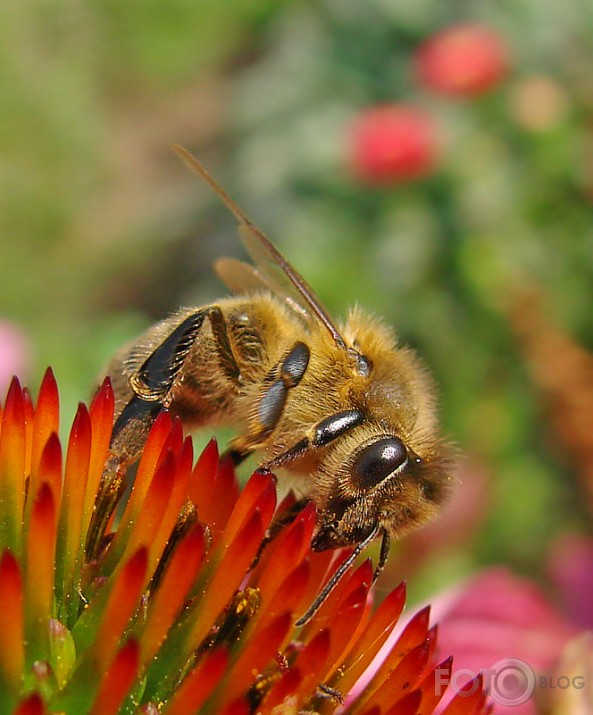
(393, 143)
(571, 571)
(14, 353)
(504, 626)
(462, 61)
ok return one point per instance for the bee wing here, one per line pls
(240, 277)
(271, 269)
(244, 278)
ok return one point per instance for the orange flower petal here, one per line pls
(39, 569)
(178, 578)
(175, 503)
(121, 604)
(148, 522)
(12, 467)
(261, 645)
(322, 565)
(289, 595)
(414, 634)
(349, 614)
(239, 707)
(403, 678)
(49, 470)
(432, 639)
(469, 700)
(199, 684)
(118, 680)
(260, 492)
(174, 440)
(289, 547)
(157, 438)
(282, 693)
(70, 546)
(226, 578)
(380, 627)
(206, 465)
(433, 686)
(47, 416)
(12, 652)
(408, 705)
(29, 416)
(312, 662)
(101, 414)
(343, 590)
(215, 497)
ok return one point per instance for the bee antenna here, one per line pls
(341, 570)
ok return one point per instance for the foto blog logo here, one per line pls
(510, 682)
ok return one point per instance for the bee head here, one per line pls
(384, 485)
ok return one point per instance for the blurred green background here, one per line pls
(104, 231)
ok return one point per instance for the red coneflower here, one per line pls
(168, 609)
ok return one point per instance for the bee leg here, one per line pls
(336, 578)
(154, 382)
(228, 360)
(279, 523)
(285, 375)
(319, 435)
(383, 554)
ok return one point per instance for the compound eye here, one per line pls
(377, 461)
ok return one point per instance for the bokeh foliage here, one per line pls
(103, 231)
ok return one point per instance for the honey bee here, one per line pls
(342, 406)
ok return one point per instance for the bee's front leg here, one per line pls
(319, 435)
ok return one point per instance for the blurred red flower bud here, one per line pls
(393, 143)
(462, 61)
